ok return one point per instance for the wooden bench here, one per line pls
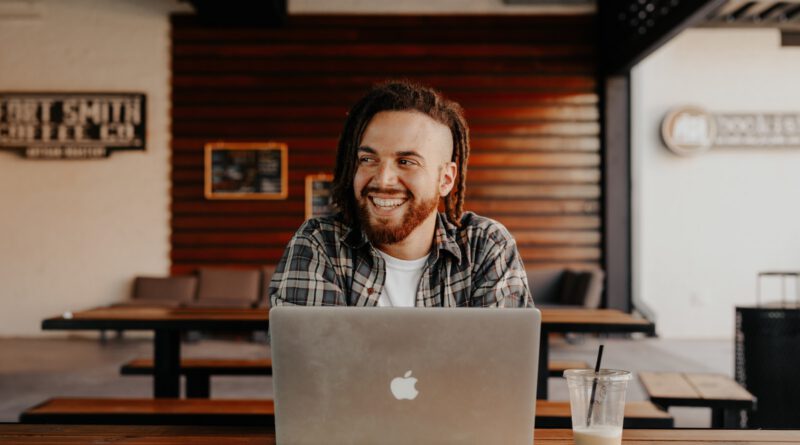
(556, 414)
(726, 398)
(105, 411)
(198, 372)
(556, 368)
(549, 414)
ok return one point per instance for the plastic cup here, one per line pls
(604, 427)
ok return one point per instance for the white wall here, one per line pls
(705, 225)
(73, 233)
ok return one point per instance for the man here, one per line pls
(403, 149)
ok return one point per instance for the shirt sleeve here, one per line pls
(305, 276)
(501, 280)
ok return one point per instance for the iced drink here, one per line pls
(597, 419)
(597, 435)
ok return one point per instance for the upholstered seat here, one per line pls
(566, 287)
(227, 288)
(162, 291)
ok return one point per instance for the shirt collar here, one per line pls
(355, 238)
(444, 237)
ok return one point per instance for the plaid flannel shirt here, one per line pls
(327, 263)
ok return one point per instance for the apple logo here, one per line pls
(403, 387)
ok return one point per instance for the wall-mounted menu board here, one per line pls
(253, 170)
(319, 200)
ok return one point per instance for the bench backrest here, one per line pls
(237, 287)
(177, 289)
(560, 286)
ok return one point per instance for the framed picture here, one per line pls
(319, 200)
(256, 170)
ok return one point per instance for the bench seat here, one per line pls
(144, 366)
(198, 372)
(107, 411)
(556, 368)
(646, 415)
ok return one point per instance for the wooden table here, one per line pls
(166, 435)
(581, 320)
(716, 391)
(167, 324)
(259, 412)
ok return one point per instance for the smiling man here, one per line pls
(404, 148)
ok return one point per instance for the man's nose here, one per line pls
(386, 175)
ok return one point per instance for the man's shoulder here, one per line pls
(475, 227)
(323, 224)
(323, 229)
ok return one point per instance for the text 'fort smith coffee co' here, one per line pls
(71, 125)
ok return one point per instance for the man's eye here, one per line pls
(407, 162)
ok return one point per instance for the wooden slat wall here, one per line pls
(527, 84)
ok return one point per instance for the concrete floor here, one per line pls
(32, 370)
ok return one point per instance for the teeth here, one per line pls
(388, 203)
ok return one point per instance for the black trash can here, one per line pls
(768, 363)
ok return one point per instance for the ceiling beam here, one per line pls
(755, 14)
(632, 29)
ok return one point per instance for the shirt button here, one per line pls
(370, 291)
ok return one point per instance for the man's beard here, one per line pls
(381, 233)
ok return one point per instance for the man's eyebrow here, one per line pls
(399, 154)
(409, 153)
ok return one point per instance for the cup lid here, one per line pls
(613, 375)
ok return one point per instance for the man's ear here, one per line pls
(448, 178)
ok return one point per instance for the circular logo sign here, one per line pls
(688, 130)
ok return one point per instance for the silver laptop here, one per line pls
(404, 375)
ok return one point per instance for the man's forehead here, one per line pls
(407, 133)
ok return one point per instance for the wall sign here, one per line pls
(690, 130)
(72, 125)
(255, 170)
(319, 200)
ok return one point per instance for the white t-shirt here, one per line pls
(402, 281)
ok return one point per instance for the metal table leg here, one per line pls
(198, 385)
(726, 418)
(167, 362)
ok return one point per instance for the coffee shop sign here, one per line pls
(71, 125)
(691, 130)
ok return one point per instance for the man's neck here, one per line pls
(417, 244)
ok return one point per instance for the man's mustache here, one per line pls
(367, 190)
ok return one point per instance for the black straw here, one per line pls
(594, 386)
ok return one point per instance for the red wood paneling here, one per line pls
(527, 84)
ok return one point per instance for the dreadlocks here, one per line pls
(399, 96)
